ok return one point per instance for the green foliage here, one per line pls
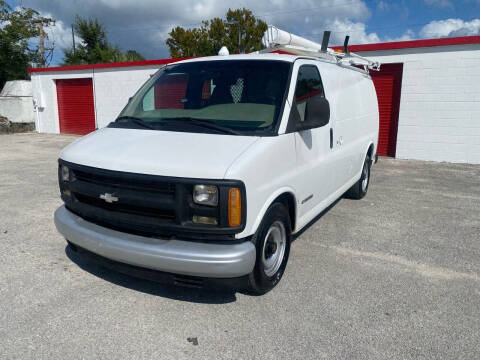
(94, 47)
(215, 33)
(129, 55)
(17, 27)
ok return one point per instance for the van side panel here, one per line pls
(354, 111)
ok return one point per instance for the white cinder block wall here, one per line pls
(440, 103)
(112, 87)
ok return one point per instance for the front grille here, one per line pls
(126, 208)
(147, 205)
(143, 204)
(122, 181)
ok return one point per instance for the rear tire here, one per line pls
(272, 241)
(360, 188)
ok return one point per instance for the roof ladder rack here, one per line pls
(326, 39)
(275, 39)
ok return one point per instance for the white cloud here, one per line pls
(60, 34)
(341, 28)
(450, 27)
(407, 35)
(383, 6)
(440, 3)
(144, 25)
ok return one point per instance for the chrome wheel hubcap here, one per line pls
(274, 248)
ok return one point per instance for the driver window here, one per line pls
(309, 84)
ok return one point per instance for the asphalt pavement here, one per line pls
(393, 276)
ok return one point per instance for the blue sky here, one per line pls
(391, 19)
(143, 25)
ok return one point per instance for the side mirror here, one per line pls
(317, 113)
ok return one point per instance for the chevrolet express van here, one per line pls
(215, 163)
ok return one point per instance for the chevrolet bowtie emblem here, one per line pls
(109, 198)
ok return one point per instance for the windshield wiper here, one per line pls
(208, 124)
(136, 120)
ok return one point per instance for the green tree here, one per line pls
(215, 33)
(17, 28)
(129, 55)
(94, 47)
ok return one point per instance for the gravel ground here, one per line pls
(393, 276)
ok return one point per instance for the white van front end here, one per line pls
(121, 204)
(212, 166)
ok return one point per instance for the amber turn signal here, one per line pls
(234, 207)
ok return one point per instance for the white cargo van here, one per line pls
(215, 163)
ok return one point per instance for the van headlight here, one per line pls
(205, 195)
(64, 173)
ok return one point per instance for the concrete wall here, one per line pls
(17, 109)
(16, 101)
(17, 88)
(440, 104)
(112, 88)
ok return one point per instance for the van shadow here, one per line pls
(315, 219)
(202, 296)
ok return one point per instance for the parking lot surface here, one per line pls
(393, 276)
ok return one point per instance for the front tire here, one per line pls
(360, 188)
(272, 241)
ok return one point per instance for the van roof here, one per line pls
(266, 56)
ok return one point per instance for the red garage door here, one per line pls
(76, 110)
(388, 83)
(170, 90)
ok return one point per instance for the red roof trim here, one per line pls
(105, 65)
(465, 40)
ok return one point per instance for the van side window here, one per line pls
(309, 85)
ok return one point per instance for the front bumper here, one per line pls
(172, 256)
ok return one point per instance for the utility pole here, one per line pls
(239, 38)
(41, 46)
(73, 41)
(41, 22)
(235, 22)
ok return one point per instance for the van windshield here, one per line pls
(242, 97)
